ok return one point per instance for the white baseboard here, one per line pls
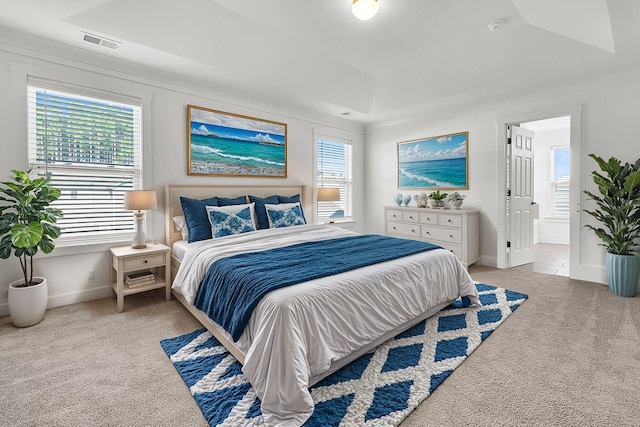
(68, 298)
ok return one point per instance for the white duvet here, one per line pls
(295, 333)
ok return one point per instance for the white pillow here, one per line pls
(227, 220)
(181, 226)
(285, 215)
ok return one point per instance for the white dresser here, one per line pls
(455, 230)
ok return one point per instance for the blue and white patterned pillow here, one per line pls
(228, 220)
(284, 215)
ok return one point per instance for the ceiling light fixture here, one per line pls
(364, 9)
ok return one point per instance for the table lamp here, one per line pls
(140, 200)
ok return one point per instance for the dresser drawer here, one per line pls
(408, 230)
(450, 220)
(144, 262)
(442, 234)
(428, 218)
(393, 215)
(456, 250)
(410, 216)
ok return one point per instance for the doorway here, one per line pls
(552, 193)
(502, 229)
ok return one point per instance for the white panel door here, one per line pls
(521, 199)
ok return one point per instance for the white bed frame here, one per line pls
(173, 208)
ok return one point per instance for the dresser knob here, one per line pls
(451, 235)
(428, 219)
(448, 220)
(413, 231)
(394, 228)
(426, 232)
(410, 217)
(145, 261)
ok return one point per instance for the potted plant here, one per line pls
(455, 199)
(619, 213)
(437, 199)
(27, 226)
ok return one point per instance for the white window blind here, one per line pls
(90, 149)
(335, 170)
(561, 180)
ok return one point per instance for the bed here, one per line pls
(297, 335)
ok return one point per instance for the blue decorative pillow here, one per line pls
(285, 215)
(287, 199)
(292, 199)
(195, 215)
(223, 201)
(261, 212)
(228, 220)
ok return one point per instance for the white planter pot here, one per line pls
(27, 305)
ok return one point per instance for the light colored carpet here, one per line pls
(570, 355)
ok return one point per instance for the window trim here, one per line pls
(328, 137)
(91, 79)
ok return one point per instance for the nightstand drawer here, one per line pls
(144, 262)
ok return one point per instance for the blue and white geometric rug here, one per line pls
(380, 388)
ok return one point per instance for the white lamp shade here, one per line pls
(328, 194)
(140, 200)
(364, 9)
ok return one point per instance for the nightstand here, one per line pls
(125, 259)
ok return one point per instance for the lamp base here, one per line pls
(139, 238)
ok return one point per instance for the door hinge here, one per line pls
(508, 244)
(508, 141)
(508, 193)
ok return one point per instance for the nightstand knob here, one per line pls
(145, 261)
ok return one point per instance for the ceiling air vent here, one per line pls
(101, 41)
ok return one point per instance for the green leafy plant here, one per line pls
(437, 195)
(618, 203)
(27, 220)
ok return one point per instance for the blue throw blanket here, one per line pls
(233, 286)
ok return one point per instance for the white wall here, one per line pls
(604, 109)
(165, 147)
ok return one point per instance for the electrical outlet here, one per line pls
(92, 274)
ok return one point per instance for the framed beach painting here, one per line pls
(228, 144)
(438, 163)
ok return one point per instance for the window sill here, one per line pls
(84, 246)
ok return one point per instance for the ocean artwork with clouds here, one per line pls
(230, 144)
(439, 162)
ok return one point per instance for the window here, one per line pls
(90, 149)
(335, 170)
(560, 180)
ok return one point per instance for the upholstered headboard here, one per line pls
(174, 208)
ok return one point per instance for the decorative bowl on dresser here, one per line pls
(455, 230)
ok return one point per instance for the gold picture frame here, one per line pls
(228, 144)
